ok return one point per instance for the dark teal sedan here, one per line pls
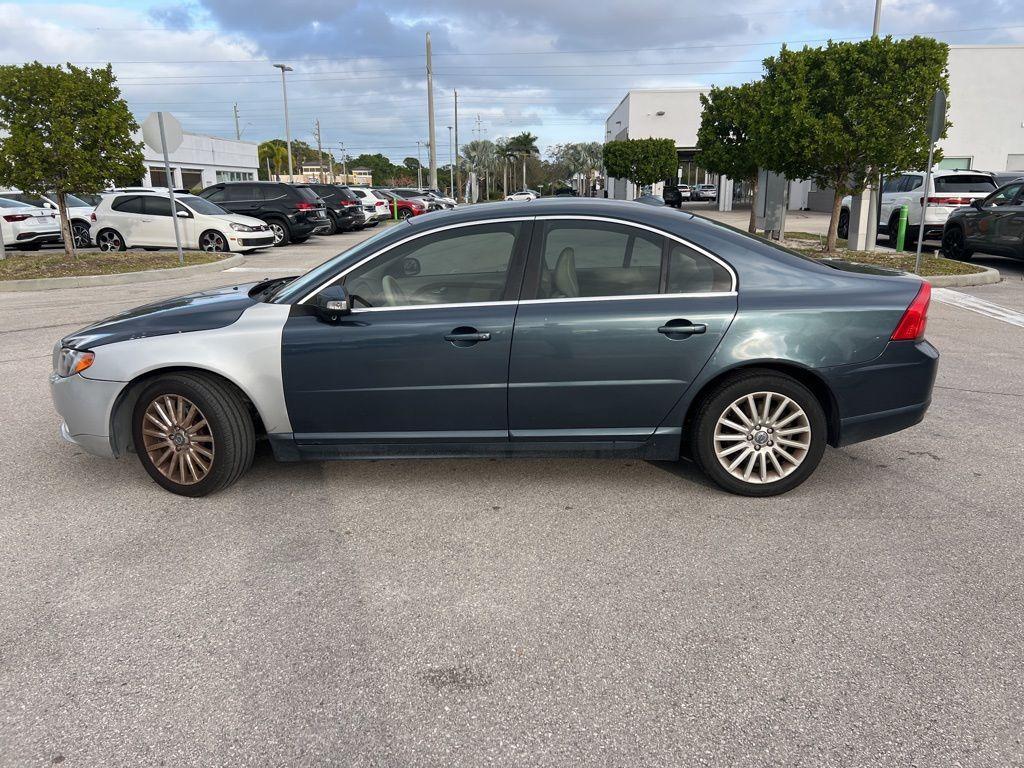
(558, 327)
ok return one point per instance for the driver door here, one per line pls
(422, 359)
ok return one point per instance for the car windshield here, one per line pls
(299, 287)
(201, 206)
(964, 183)
(75, 202)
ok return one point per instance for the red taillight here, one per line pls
(305, 206)
(349, 202)
(92, 217)
(17, 217)
(949, 200)
(911, 326)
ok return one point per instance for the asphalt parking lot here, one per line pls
(516, 612)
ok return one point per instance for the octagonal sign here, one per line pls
(172, 132)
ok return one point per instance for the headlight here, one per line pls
(242, 228)
(72, 361)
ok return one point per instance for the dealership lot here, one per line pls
(515, 612)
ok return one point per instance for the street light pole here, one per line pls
(238, 132)
(287, 131)
(451, 163)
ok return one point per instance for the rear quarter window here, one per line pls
(129, 204)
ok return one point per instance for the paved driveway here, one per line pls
(515, 612)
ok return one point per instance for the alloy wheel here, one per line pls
(762, 437)
(212, 242)
(278, 231)
(953, 243)
(80, 235)
(178, 439)
(108, 241)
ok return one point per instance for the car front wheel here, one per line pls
(844, 224)
(80, 234)
(282, 235)
(212, 241)
(759, 434)
(109, 240)
(192, 433)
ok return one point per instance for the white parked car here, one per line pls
(375, 207)
(949, 190)
(78, 210)
(143, 219)
(684, 191)
(27, 227)
(523, 195)
(704, 192)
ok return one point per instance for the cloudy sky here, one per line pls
(553, 67)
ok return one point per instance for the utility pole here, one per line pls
(458, 173)
(432, 146)
(344, 163)
(451, 162)
(874, 180)
(287, 131)
(320, 153)
(419, 165)
(238, 131)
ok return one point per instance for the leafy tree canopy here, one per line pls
(642, 161)
(728, 125)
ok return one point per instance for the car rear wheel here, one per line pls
(844, 224)
(282, 235)
(109, 240)
(405, 213)
(759, 434)
(954, 245)
(333, 227)
(213, 241)
(193, 434)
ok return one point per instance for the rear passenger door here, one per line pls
(615, 323)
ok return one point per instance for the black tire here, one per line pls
(80, 234)
(716, 404)
(335, 226)
(110, 240)
(282, 232)
(213, 241)
(953, 245)
(231, 427)
(405, 213)
(844, 224)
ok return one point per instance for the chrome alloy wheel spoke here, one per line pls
(762, 437)
(177, 439)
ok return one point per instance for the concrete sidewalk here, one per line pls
(813, 222)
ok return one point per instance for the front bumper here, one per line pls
(890, 393)
(259, 240)
(86, 405)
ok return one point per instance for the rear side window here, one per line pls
(307, 194)
(215, 195)
(243, 192)
(582, 259)
(131, 204)
(692, 272)
(964, 183)
(346, 194)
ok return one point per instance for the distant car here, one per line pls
(27, 227)
(672, 195)
(293, 212)
(375, 207)
(524, 195)
(143, 219)
(411, 193)
(561, 327)
(565, 192)
(704, 192)
(994, 224)
(344, 208)
(949, 190)
(406, 208)
(685, 191)
(1002, 178)
(78, 211)
(649, 198)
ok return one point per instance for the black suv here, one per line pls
(344, 209)
(293, 212)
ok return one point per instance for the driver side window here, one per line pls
(464, 265)
(1004, 196)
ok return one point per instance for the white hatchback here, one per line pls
(523, 195)
(126, 220)
(27, 227)
(375, 208)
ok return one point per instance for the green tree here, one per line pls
(641, 161)
(481, 157)
(69, 130)
(839, 114)
(725, 140)
(412, 164)
(522, 146)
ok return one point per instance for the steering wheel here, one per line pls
(394, 294)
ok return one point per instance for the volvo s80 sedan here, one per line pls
(559, 327)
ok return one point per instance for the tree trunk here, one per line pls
(833, 223)
(752, 224)
(65, 227)
(524, 171)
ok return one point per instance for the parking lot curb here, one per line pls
(987, 277)
(121, 278)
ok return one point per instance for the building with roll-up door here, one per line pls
(201, 161)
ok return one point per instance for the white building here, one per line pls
(986, 108)
(201, 161)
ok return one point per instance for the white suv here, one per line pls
(949, 190)
(78, 210)
(144, 219)
(375, 208)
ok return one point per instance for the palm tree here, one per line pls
(481, 156)
(524, 145)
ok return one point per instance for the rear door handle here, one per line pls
(473, 337)
(682, 328)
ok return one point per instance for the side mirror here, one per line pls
(183, 215)
(977, 203)
(332, 302)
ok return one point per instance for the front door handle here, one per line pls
(682, 328)
(466, 337)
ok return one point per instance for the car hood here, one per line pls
(249, 221)
(195, 312)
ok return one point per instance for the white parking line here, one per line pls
(292, 271)
(982, 307)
